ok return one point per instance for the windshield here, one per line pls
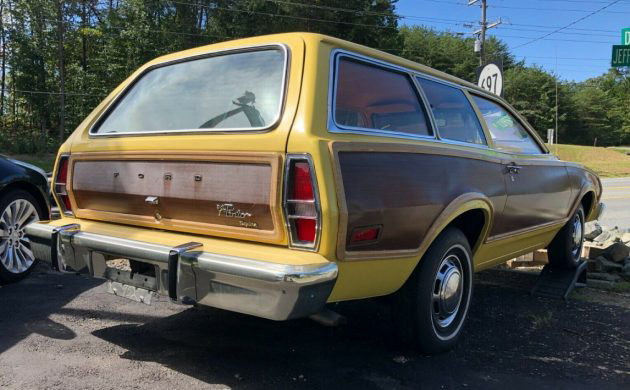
(237, 91)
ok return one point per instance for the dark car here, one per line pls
(23, 199)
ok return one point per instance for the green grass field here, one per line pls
(607, 162)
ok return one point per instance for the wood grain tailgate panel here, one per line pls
(190, 195)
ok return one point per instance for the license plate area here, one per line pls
(130, 292)
(131, 279)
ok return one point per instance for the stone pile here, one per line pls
(607, 251)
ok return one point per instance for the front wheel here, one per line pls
(434, 303)
(566, 248)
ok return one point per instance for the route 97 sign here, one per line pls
(490, 78)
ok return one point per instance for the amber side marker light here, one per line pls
(301, 202)
(60, 186)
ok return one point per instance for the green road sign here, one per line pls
(621, 55)
(625, 36)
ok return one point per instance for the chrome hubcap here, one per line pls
(15, 247)
(448, 289)
(577, 235)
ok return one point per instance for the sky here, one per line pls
(583, 50)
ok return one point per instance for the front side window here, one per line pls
(454, 116)
(231, 91)
(373, 97)
(507, 133)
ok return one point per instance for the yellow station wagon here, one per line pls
(274, 174)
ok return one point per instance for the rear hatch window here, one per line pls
(235, 91)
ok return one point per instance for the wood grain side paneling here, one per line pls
(192, 191)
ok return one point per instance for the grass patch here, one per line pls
(605, 161)
(45, 161)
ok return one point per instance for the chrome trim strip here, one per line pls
(122, 247)
(333, 127)
(293, 243)
(92, 133)
(529, 229)
(263, 271)
(54, 185)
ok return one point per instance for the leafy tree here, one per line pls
(61, 57)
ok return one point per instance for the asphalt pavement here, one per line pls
(64, 331)
(616, 196)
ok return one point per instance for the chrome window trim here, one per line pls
(334, 127)
(461, 89)
(518, 118)
(314, 247)
(92, 132)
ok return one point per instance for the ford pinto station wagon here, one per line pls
(273, 175)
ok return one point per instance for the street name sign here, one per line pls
(621, 55)
(625, 36)
(490, 78)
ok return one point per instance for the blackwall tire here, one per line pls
(566, 248)
(434, 303)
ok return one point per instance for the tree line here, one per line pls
(60, 58)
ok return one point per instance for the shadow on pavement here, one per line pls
(510, 339)
(25, 306)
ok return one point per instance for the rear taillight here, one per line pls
(301, 203)
(60, 186)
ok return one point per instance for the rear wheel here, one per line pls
(433, 304)
(566, 248)
(17, 209)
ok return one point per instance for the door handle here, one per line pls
(513, 169)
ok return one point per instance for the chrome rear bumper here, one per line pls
(186, 272)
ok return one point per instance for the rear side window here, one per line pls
(234, 91)
(454, 116)
(507, 133)
(373, 97)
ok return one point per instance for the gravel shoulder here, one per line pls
(65, 331)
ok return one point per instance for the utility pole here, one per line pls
(480, 43)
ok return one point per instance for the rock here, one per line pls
(626, 270)
(592, 230)
(541, 256)
(603, 276)
(617, 252)
(599, 283)
(607, 235)
(625, 238)
(605, 265)
(592, 265)
(592, 252)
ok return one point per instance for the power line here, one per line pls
(531, 8)
(568, 25)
